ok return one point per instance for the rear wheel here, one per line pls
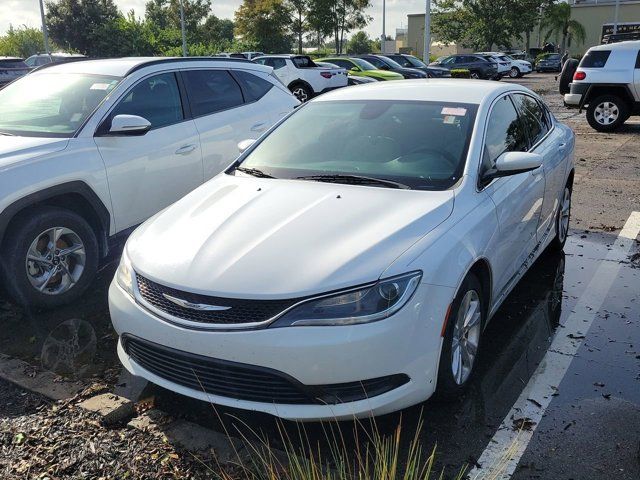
(301, 92)
(607, 113)
(51, 258)
(461, 342)
(475, 75)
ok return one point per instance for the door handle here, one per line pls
(258, 127)
(185, 149)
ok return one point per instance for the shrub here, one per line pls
(460, 73)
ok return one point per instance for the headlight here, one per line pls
(124, 274)
(350, 307)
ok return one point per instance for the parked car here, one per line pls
(362, 68)
(351, 79)
(89, 150)
(313, 279)
(510, 66)
(11, 68)
(410, 61)
(383, 63)
(229, 55)
(44, 59)
(549, 62)
(607, 83)
(252, 55)
(504, 65)
(302, 76)
(479, 66)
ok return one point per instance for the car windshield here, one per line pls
(363, 64)
(415, 62)
(415, 144)
(51, 104)
(391, 63)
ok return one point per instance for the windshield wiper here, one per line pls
(353, 180)
(254, 172)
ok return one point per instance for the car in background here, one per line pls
(383, 63)
(252, 55)
(302, 76)
(12, 68)
(362, 68)
(351, 79)
(549, 62)
(409, 61)
(348, 263)
(479, 66)
(89, 150)
(512, 67)
(44, 59)
(504, 65)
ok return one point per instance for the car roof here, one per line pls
(627, 45)
(283, 55)
(121, 67)
(11, 58)
(456, 90)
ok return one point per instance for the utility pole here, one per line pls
(384, 35)
(184, 36)
(427, 31)
(44, 30)
(615, 21)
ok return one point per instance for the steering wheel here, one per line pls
(451, 160)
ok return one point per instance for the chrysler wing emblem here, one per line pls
(195, 306)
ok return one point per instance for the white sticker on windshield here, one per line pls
(458, 111)
(76, 117)
(100, 86)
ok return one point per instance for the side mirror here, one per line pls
(245, 144)
(512, 163)
(129, 125)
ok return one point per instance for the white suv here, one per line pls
(89, 150)
(607, 82)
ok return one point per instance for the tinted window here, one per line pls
(254, 87)
(638, 61)
(211, 91)
(595, 58)
(376, 62)
(533, 117)
(401, 60)
(342, 63)
(12, 64)
(303, 62)
(155, 98)
(504, 133)
(277, 63)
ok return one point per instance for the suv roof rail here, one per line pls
(160, 61)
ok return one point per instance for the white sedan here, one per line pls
(348, 262)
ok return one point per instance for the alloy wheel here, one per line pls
(475, 75)
(466, 337)
(565, 214)
(513, 73)
(55, 260)
(301, 94)
(606, 113)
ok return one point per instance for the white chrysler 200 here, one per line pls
(347, 263)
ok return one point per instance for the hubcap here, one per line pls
(55, 260)
(565, 214)
(466, 335)
(475, 75)
(301, 94)
(513, 73)
(606, 113)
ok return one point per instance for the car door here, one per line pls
(148, 172)
(636, 76)
(517, 198)
(221, 116)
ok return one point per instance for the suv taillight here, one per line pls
(325, 74)
(579, 76)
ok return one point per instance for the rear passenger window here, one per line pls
(595, 58)
(254, 87)
(533, 117)
(638, 61)
(211, 91)
(505, 133)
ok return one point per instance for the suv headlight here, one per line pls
(125, 273)
(364, 304)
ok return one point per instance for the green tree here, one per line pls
(359, 43)
(135, 37)
(265, 24)
(558, 21)
(165, 14)
(87, 26)
(22, 42)
(320, 20)
(299, 24)
(217, 31)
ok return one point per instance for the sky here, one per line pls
(27, 12)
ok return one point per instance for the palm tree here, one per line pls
(558, 22)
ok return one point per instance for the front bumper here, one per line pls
(408, 343)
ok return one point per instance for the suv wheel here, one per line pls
(51, 258)
(461, 343)
(514, 72)
(607, 113)
(301, 92)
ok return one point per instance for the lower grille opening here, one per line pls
(247, 382)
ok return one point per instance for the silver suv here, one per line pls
(607, 83)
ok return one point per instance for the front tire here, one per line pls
(563, 218)
(51, 258)
(462, 339)
(607, 113)
(514, 72)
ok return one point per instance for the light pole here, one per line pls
(427, 31)
(384, 35)
(615, 21)
(184, 36)
(44, 30)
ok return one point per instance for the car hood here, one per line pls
(14, 149)
(382, 74)
(408, 71)
(246, 237)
